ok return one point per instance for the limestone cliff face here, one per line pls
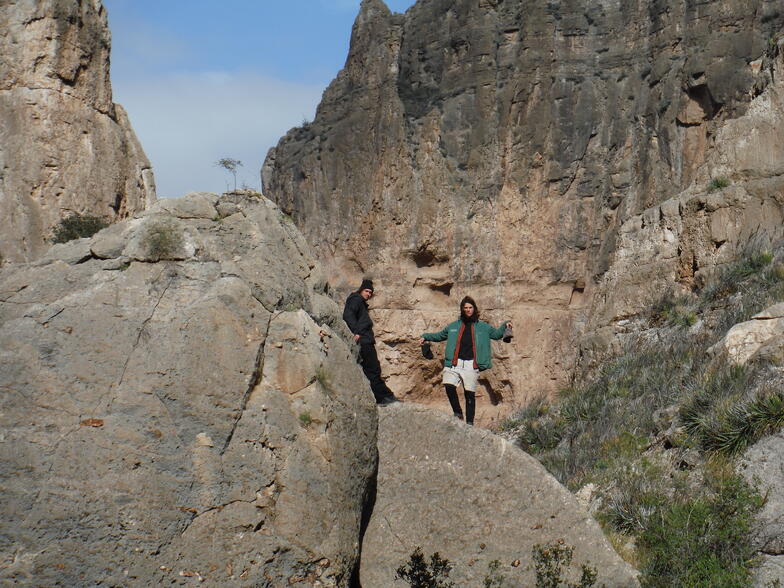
(500, 147)
(64, 146)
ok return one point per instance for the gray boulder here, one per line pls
(172, 412)
(763, 465)
(474, 498)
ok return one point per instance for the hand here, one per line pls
(421, 341)
(356, 338)
(509, 324)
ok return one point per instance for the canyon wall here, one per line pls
(182, 405)
(65, 147)
(501, 148)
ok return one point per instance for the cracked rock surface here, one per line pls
(178, 404)
(763, 466)
(474, 498)
(64, 146)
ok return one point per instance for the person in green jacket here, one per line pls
(468, 351)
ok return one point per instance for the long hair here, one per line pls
(475, 316)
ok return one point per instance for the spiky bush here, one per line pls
(753, 273)
(672, 310)
(646, 426)
(77, 226)
(578, 434)
(549, 563)
(729, 411)
(718, 183)
(638, 494)
(162, 240)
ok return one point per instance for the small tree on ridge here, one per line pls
(230, 165)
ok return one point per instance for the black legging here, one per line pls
(372, 368)
(470, 400)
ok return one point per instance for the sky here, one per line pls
(204, 80)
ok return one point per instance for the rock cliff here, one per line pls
(64, 146)
(178, 405)
(508, 152)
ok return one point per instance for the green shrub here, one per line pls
(494, 578)
(602, 420)
(615, 428)
(703, 541)
(421, 574)
(672, 310)
(539, 435)
(162, 240)
(735, 276)
(728, 412)
(639, 494)
(550, 561)
(323, 377)
(305, 419)
(718, 184)
(77, 226)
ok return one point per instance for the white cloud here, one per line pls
(186, 122)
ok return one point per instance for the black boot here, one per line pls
(470, 398)
(451, 394)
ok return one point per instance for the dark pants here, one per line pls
(372, 369)
(470, 401)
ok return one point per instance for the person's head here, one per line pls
(366, 289)
(469, 311)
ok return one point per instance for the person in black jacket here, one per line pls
(356, 315)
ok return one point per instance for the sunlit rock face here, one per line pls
(474, 498)
(501, 149)
(179, 405)
(64, 146)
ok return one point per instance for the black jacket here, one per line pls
(355, 313)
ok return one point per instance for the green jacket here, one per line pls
(483, 332)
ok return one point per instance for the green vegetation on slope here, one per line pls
(655, 432)
(77, 226)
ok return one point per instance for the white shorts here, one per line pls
(463, 373)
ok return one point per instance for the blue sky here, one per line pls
(203, 80)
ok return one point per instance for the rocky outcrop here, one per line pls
(64, 146)
(474, 498)
(506, 152)
(179, 405)
(760, 337)
(763, 466)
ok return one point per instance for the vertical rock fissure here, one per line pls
(255, 378)
(368, 504)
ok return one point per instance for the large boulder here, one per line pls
(763, 466)
(760, 337)
(178, 403)
(473, 498)
(64, 146)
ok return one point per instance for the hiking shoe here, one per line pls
(387, 400)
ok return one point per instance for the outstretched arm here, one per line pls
(438, 336)
(499, 332)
